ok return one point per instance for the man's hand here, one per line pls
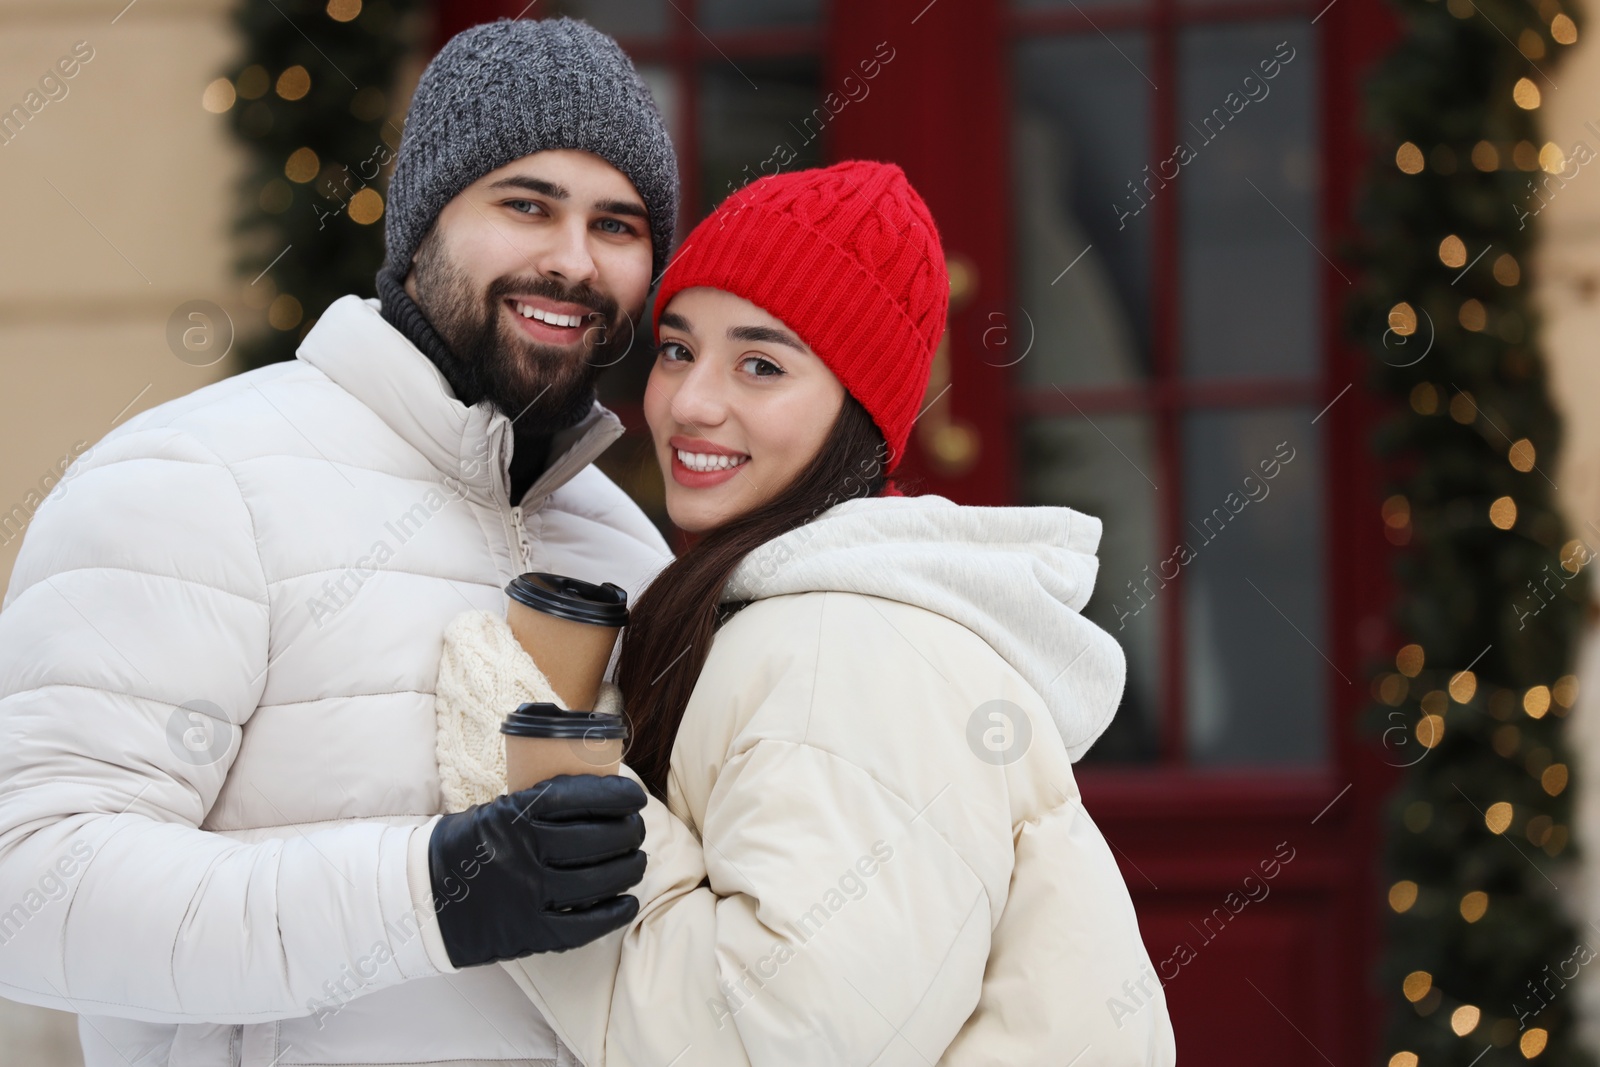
(538, 870)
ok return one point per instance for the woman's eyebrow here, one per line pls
(762, 333)
(677, 322)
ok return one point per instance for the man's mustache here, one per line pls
(552, 290)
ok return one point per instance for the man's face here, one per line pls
(535, 276)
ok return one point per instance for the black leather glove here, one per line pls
(538, 870)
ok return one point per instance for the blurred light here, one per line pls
(1525, 156)
(1554, 779)
(1472, 315)
(1473, 905)
(1530, 42)
(1525, 94)
(1551, 158)
(1402, 895)
(1536, 701)
(1409, 659)
(1397, 513)
(276, 196)
(347, 10)
(1416, 985)
(1533, 1042)
(1403, 319)
(285, 313)
(1463, 686)
(294, 83)
(366, 207)
(253, 81)
(1498, 818)
(1430, 730)
(1503, 513)
(1566, 690)
(1464, 1020)
(1564, 30)
(1485, 156)
(1506, 269)
(301, 166)
(1521, 455)
(1453, 252)
(1463, 409)
(1408, 157)
(218, 96)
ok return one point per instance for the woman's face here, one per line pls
(737, 406)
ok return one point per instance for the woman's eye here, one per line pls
(773, 369)
(669, 349)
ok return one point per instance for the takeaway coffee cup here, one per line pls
(569, 627)
(542, 741)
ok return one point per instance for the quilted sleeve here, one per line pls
(134, 646)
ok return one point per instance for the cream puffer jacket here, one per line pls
(874, 850)
(218, 655)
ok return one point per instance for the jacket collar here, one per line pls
(355, 346)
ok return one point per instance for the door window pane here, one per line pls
(1254, 632)
(757, 117)
(714, 15)
(1070, 5)
(626, 19)
(1246, 170)
(1079, 135)
(1100, 467)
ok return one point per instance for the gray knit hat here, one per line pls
(506, 89)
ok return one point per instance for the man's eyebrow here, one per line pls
(676, 321)
(622, 207)
(763, 333)
(533, 185)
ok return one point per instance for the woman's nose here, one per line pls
(700, 400)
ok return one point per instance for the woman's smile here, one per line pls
(699, 464)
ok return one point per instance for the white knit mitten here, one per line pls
(483, 675)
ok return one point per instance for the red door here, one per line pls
(1143, 203)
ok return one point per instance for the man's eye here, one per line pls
(513, 204)
(614, 226)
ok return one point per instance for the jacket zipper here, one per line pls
(522, 540)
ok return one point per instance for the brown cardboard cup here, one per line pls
(543, 740)
(569, 627)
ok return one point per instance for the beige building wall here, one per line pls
(1566, 278)
(118, 198)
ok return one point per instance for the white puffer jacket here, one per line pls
(218, 655)
(874, 850)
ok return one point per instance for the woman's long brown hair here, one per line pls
(670, 627)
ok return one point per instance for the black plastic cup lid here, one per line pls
(571, 599)
(541, 719)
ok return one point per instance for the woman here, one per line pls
(855, 711)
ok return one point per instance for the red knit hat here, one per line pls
(848, 257)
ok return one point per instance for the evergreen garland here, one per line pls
(1490, 587)
(312, 101)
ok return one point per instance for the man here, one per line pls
(219, 831)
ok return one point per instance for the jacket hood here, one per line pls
(1018, 577)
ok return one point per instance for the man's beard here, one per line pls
(540, 387)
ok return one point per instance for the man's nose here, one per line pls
(565, 254)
